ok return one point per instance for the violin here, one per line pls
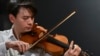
(47, 44)
(52, 44)
(55, 44)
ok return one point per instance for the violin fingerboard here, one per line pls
(84, 54)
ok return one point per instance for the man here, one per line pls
(21, 14)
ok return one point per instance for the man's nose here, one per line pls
(30, 21)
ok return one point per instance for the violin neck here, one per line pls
(83, 53)
(57, 42)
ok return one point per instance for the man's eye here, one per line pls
(25, 18)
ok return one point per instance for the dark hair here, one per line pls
(14, 7)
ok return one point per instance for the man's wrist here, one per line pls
(7, 45)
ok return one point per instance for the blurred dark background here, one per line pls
(83, 27)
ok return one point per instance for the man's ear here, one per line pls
(11, 18)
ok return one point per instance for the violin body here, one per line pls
(53, 49)
(49, 47)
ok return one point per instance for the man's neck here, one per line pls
(16, 33)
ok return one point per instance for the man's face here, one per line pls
(24, 20)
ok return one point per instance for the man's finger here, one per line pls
(71, 45)
(77, 48)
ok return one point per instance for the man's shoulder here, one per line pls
(4, 35)
(5, 31)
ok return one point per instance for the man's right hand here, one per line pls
(18, 45)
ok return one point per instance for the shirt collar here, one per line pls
(11, 34)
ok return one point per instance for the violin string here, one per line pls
(45, 36)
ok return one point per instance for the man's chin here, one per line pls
(27, 30)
